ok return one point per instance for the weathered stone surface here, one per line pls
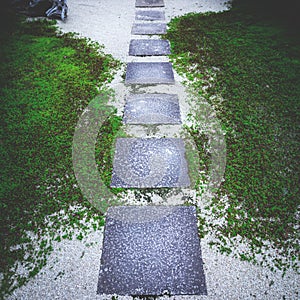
(149, 73)
(149, 28)
(149, 3)
(150, 163)
(151, 250)
(152, 109)
(150, 15)
(149, 47)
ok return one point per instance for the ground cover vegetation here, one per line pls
(46, 79)
(246, 63)
(250, 57)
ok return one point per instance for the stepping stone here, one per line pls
(149, 73)
(151, 251)
(149, 28)
(152, 109)
(149, 15)
(149, 163)
(149, 47)
(149, 3)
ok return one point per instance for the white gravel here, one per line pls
(72, 273)
(110, 22)
(72, 268)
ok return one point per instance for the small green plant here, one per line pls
(104, 148)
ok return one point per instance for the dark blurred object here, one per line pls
(38, 8)
(59, 9)
(285, 12)
(8, 17)
(19, 5)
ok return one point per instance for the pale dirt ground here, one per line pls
(109, 22)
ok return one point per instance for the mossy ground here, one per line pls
(47, 79)
(251, 62)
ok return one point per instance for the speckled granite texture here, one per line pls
(149, 15)
(149, 47)
(149, 28)
(152, 109)
(149, 73)
(151, 251)
(149, 3)
(150, 163)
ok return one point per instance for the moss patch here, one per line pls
(46, 79)
(254, 65)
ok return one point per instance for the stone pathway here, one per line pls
(72, 269)
(149, 73)
(152, 109)
(149, 47)
(152, 250)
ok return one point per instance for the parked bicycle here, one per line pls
(59, 9)
(39, 8)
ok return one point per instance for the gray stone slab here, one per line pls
(149, 28)
(149, 15)
(152, 109)
(149, 47)
(150, 163)
(149, 3)
(149, 73)
(151, 251)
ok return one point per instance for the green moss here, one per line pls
(255, 66)
(46, 79)
(105, 143)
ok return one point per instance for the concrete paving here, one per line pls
(151, 251)
(149, 29)
(149, 73)
(149, 15)
(149, 3)
(152, 109)
(150, 163)
(149, 47)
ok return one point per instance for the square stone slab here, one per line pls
(150, 163)
(149, 73)
(149, 15)
(152, 109)
(151, 251)
(149, 28)
(149, 47)
(149, 3)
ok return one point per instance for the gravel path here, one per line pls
(110, 22)
(73, 267)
